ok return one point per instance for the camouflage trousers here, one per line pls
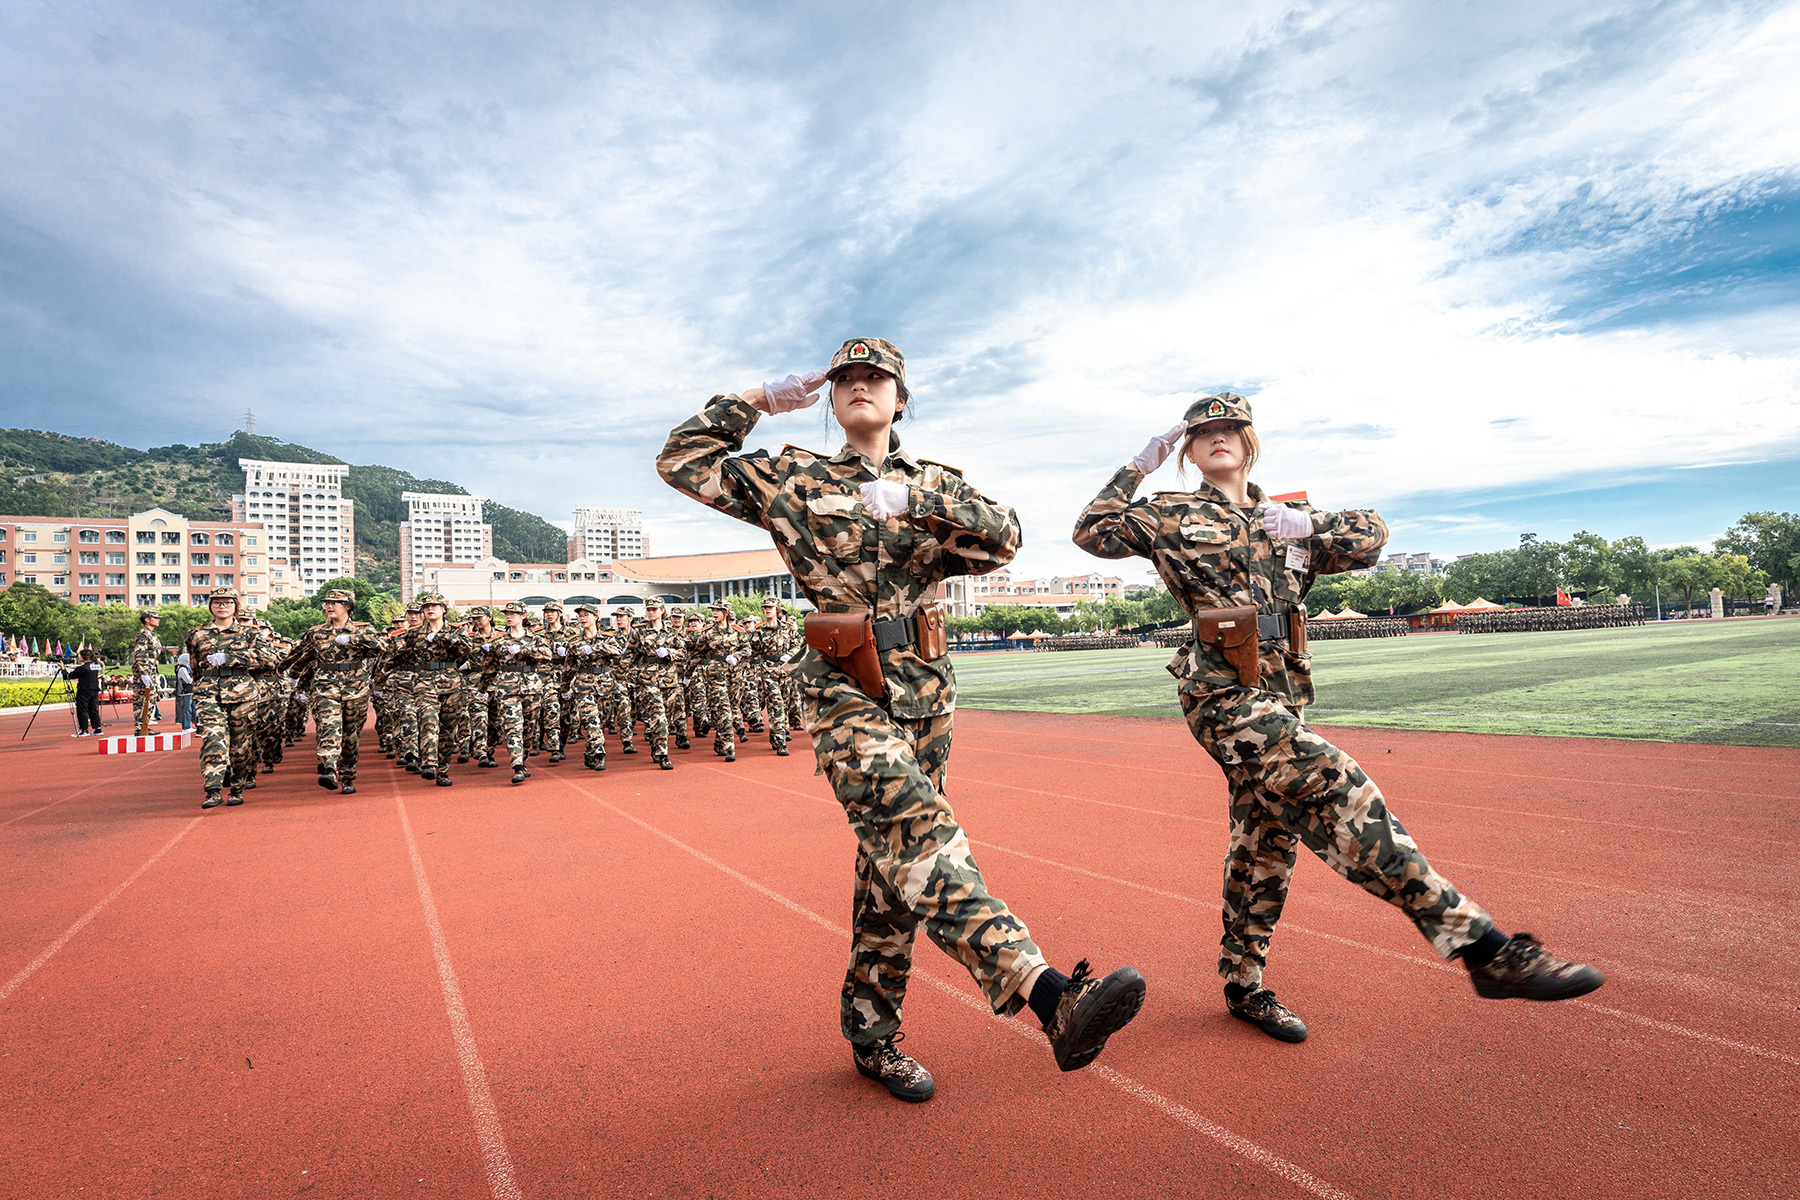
(724, 716)
(143, 705)
(1291, 787)
(621, 714)
(587, 700)
(531, 712)
(650, 705)
(696, 688)
(438, 700)
(296, 716)
(271, 720)
(796, 712)
(510, 699)
(338, 723)
(550, 716)
(771, 681)
(404, 723)
(914, 866)
(480, 704)
(227, 740)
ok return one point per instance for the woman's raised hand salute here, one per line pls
(787, 394)
(1158, 449)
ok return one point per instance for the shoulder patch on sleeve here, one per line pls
(932, 462)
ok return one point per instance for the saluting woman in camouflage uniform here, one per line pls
(1225, 546)
(873, 530)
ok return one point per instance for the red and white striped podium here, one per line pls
(181, 739)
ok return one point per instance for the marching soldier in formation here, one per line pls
(531, 704)
(146, 669)
(387, 722)
(592, 653)
(694, 685)
(512, 667)
(625, 699)
(225, 655)
(481, 637)
(556, 636)
(337, 653)
(719, 647)
(402, 675)
(296, 700)
(869, 532)
(272, 700)
(771, 650)
(796, 640)
(1241, 567)
(653, 665)
(437, 653)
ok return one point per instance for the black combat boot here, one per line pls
(1260, 1008)
(234, 798)
(349, 788)
(1089, 1011)
(443, 778)
(1524, 970)
(904, 1077)
(519, 774)
(213, 799)
(327, 778)
(462, 758)
(268, 768)
(427, 773)
(487, 762)
(682, 743)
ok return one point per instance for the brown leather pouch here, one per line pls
(932, 641)
(1297, 631)
(848, 640)
(1232, 632)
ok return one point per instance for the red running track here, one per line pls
(626, 983)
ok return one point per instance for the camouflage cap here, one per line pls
(513, 606)
(340, 596)
(720, 606)
(771, 602)
(1226, 406)
(222, 593)
(652, 602)
(432, 598)
(553, 606)
(415, 607)
(587, 608)
(622, 611)
(481, 610)
(873, 352)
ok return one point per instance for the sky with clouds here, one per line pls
(1489, 268)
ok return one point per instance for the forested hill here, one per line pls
(54, 475)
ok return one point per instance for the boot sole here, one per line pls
(898, 1091)
(1276, 1030)
(1111, 1008)
(1581, 985)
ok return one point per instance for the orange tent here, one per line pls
(1449, 606)
(1350, 614)
(1478, 604)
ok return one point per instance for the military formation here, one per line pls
(1534, 620)
(449, 689)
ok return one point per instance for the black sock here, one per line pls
(1046, 992)
(1235, 993)
(1482, 952)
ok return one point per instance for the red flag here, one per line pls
(1562, 597)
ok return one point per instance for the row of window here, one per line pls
(145, 537)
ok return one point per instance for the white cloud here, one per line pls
(513, 250)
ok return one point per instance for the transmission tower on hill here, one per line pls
(249, 421)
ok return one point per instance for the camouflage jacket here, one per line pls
(556, 668)
(246, 651)
(336, 660)
(415, 651)
(596, 655)
(649, 667)
(146, 655)
(509, 672)
(1212, 554)
(769, 642)
(844, 559)
(712, 644)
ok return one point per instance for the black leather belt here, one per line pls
(1272, 627)
(343, 666)
(895, 632)
(437, 665)
(220, 672)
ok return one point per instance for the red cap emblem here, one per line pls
(1215, 409)
(860, 350)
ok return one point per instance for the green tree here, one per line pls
(1637, 568)
(1736, 579)
(32, 610)
(179, 620)
(1160, 607)
(1590, 568)
(1689, 575)
(1771, 543)
(111, 627)
(1539, 568)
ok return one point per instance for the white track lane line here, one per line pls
(1429, 963)
(1535, 875)
(1243, 1147)
(495, 1161)
(150, 762)
(12, 985)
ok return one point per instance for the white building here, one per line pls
(440, 527)
(604, 534)
(681, 579)
(309, 527)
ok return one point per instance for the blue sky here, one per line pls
(1489, 268)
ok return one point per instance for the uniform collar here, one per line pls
(1213, 495)
(850, 453)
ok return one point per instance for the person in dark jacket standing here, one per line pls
(86, 675)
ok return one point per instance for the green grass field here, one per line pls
(1729, 682)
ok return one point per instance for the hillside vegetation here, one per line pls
(55, 475)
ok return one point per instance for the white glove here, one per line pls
(1286, 524)
(731, 660)
(481, 697)
(342, 639)
(662, 652)
(432, 636)
(585, 648)
(884, 498)
(568, 695)
(148, 681)
(462, 666)
(513, 647)
(787, 656)
(378, 695)
(300, 696)
(796, 391)
(487, 645)
(1157, 450)
(216, 658)
(562, 651)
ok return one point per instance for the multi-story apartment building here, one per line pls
(967, 596)
(679, 579)
(310, 526)
(440, 527)
(145, 560)
(605, 534)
